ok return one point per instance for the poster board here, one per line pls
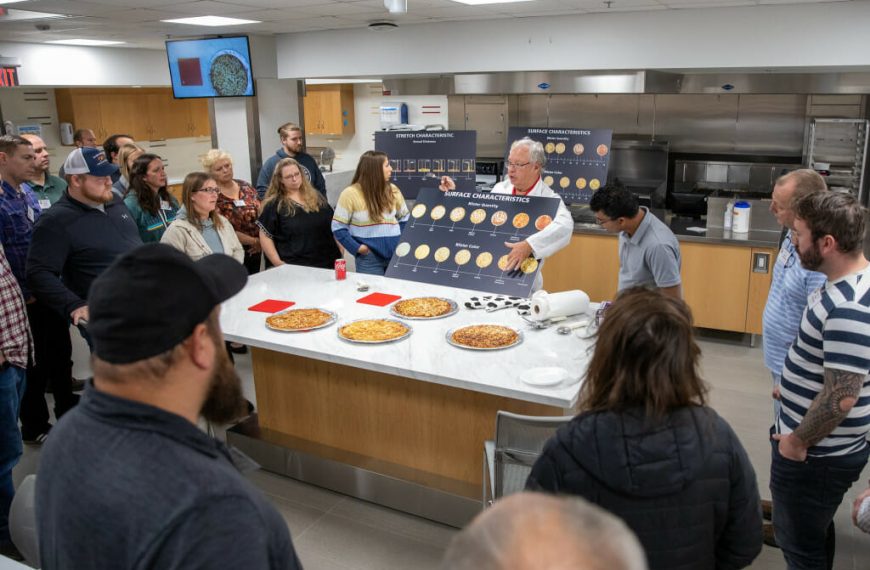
(577, 159)
(420, 158)
(458, 239)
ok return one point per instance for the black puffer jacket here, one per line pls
(683, 484)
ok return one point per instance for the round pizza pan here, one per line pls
(454, 308)
(398, 338)
(466, 347)
(332, 319)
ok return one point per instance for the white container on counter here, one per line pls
(729, 216)
(740, 217)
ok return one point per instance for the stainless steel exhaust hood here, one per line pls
(642, 81)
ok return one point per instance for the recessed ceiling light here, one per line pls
(479, 2)
(211, 21)
(84, 42)
(11, 1)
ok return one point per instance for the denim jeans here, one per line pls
(371, 264)
(805, 498)
(12, 382)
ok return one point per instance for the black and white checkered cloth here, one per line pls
(495, 302)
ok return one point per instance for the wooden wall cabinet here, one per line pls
(145, 114)
(329, 109)
(719, 283)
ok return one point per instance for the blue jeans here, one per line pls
(371, 264)
(12, 382)
(805, 498)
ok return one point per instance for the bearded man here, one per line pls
(127, 479)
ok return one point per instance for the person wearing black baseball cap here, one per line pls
(127, 479)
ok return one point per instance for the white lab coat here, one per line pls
(550, 239)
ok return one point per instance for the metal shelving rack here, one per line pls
(842, 143)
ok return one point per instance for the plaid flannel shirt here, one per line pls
(16, 343)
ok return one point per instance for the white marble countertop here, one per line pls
(425, 355)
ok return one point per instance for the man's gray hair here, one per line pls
(535, 531)
(536, 150)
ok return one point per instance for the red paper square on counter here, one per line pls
(271, 306)
(379, 299)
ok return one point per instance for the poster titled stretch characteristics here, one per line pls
(458, 239)
(577, 159)
(420, 158)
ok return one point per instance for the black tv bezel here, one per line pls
(220, 37)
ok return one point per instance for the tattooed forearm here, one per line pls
(830, 406)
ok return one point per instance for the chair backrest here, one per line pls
(519, 441)
(22, 520)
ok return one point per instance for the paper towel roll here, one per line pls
(559, 305)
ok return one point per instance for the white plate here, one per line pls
(545, 376)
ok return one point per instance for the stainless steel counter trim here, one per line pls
(416, 499)
(713, 236)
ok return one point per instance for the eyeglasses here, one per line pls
(209, 189)
(517, 164)
(601, 222)
(791, 259)
(293, 176)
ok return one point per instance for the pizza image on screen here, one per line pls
(228, 74)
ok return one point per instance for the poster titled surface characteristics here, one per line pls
(419, 159)
(458, 239)
(577, 159)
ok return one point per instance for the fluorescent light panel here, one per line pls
(480, 2)
(211, 21)
(84, 42)
(3, 2)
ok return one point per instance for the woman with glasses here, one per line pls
(152, 206)
(646, 447)
(238, 203)
(199, 230)
(371, 214)
(295, 220)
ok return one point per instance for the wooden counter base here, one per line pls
(432, 434)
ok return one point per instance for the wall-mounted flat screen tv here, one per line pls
(210, 67)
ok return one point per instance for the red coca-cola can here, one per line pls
(340, 269)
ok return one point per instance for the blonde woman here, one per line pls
(295, 220)
(127, 155)
(238, 203)
(370, 214)
(198, 229)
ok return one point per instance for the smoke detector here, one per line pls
(383, 26)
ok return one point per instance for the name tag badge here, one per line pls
(239, 203)
(45, 203)
(31, 215)
(164, 205)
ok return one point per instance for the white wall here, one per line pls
(59, 66)
(367, 99)
(232, 133)
(278, 103)
(802, 36)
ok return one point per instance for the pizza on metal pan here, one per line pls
(422, 307)
(373, 330)
(298, 319)
(485, 336)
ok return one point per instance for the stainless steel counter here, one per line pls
(755, 238)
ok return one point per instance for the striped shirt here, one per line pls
(353, 227)
(834, 334)
(786, 301)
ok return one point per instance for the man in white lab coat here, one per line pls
(525, 163)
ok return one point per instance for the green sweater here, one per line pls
(151, 227)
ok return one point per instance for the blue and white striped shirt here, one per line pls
(834, 334)
(786, 301)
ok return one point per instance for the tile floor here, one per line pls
(335, 532)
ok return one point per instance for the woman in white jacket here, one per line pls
(198, 230)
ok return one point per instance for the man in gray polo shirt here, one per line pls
(649, 254)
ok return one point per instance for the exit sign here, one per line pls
(9, 77)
